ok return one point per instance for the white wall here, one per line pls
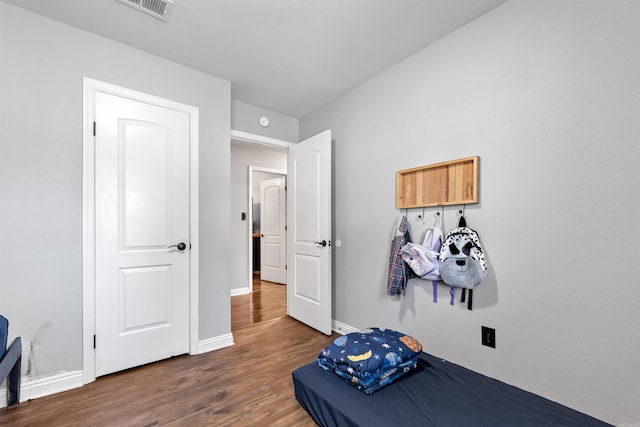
(243, 156)
(547, 93)
(42, 66)
(246, 117)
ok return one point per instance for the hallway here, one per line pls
(267, 302)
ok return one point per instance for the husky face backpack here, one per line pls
(462, 263)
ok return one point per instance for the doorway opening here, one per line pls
(254, 298)
(308, 211)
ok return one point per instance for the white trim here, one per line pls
(32, 388)
(258, 139)
(90, 87)
(194, 228)
(343, 328)
(215, 343)
(240, 291)
(88, 236)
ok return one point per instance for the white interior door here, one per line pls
(141, 233)
(273, 242)
(309, 232)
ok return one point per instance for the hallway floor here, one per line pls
(267, 302)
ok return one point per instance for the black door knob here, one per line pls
(180, 246)
(323, 243)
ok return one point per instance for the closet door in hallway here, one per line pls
(273, 237)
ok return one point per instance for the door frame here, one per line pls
(253, 169)
(266, 142)
(90, 88)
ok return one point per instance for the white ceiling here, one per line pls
(289, 56)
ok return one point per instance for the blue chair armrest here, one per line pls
(10, 368)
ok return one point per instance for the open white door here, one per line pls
(309, 232)
(273, 237)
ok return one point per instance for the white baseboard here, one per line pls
(240, 291)
(215, 343)
(343, 328)
(32, 388)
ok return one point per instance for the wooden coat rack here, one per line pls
(448, 183)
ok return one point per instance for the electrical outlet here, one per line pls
(489, 337)
(243, 216)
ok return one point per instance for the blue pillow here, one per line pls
(371, 358)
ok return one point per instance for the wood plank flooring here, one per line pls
(248, 384)
(268, 301)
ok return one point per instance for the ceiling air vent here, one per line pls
(157, 8)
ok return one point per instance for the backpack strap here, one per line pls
(438, 222)
(463, 297)
(466, 250)
(437, 225)
(452, 292)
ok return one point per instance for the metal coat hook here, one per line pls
(421, 216)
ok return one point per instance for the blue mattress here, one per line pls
(437, 393)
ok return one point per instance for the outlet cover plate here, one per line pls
(489, 337)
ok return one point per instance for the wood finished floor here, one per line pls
(247, 384)
(268, 301)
